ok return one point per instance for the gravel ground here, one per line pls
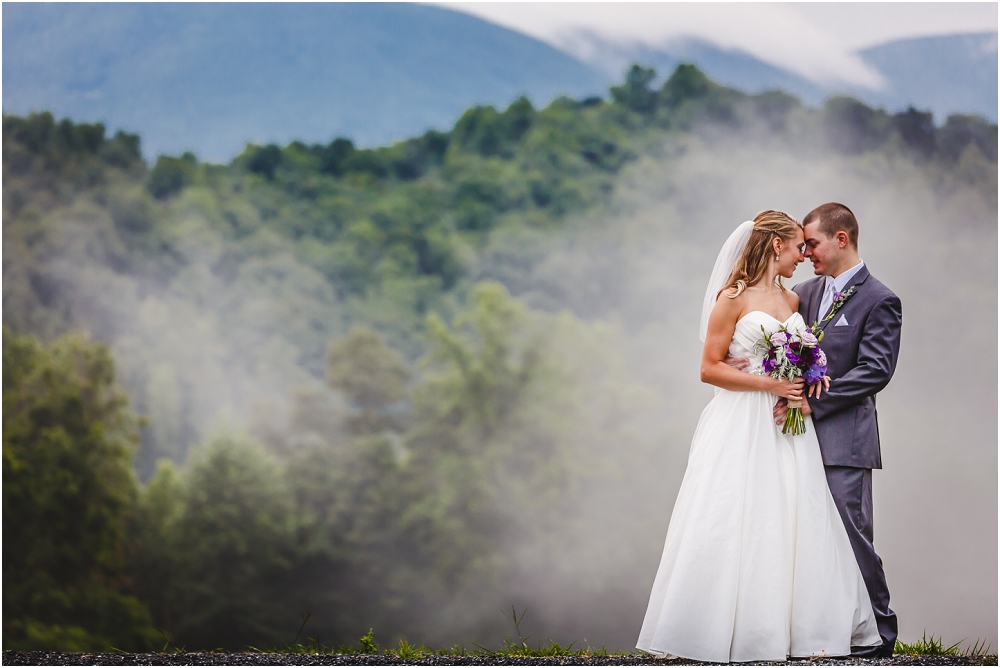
(12, 658)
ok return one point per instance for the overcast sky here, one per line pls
(816, 40)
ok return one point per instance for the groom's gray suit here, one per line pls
(861, 357)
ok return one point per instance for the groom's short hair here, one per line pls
(832, 218)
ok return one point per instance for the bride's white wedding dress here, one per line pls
(757, 564)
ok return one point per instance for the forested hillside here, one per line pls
(283, 250)
(395, 387)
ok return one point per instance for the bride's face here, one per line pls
(791, 254)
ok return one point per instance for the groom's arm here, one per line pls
(877, 353)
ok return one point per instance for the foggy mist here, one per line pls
(931, 241)
(638, 276)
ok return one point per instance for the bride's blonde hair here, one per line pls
(752, 265)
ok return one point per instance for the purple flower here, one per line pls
(821, 358)
(814, 373)
(769, 364)
(808, 339)
(791, 357)
(837, 296)
(779, 338)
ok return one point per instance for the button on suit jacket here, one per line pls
(861, 358)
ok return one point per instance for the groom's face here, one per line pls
(823, 251)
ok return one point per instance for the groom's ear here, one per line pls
(842, 239)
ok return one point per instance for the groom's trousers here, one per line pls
(852, 492)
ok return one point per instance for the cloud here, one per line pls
(816, 40)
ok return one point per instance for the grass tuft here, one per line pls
(368, 645)
(925, 646)
(168, 643)
(408, 651)
(931, 646)
(978, 648)
(521, 648)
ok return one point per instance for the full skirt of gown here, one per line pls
(756, 564)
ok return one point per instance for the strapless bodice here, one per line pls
(748, 333)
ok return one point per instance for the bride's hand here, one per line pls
(820, 386)
(789, 389)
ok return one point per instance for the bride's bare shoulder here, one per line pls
(792, 298)
(731, 304)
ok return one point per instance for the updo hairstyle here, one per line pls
(752, 265)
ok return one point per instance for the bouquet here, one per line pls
(791, 355)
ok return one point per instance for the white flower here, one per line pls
(821, 358)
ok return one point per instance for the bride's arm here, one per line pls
(715, 371)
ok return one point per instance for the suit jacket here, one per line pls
(861, 358)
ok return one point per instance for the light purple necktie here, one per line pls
(827, 301)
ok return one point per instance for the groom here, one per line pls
(861, 320)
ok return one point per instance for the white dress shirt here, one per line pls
(836, 285)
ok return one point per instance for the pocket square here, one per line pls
(842, 322)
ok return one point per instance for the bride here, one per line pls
(757, 564)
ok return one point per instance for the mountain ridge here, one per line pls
(953, 73)
(190, 76)
(212, 78)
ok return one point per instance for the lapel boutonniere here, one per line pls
(839, 299)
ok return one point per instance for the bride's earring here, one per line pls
(777, 256)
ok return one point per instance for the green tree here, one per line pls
(480, 374)
(155, 559)
(356, 564)
(123, 151)
(374, 162)
(265, 160)
(372, 376)
(170, 175)
(686, 83)
(228, 546)
(485, 377)
(76, 154)
(960, 131)
(68, 489)
(334, 156)
(480, 129)
(852, 127)
(635, 93)
(916, 129)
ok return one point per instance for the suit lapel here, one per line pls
(856, 281)
(858, 278)
(817, 298)
(815, 295)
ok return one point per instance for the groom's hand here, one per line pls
(780, 409)
(738, 363)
